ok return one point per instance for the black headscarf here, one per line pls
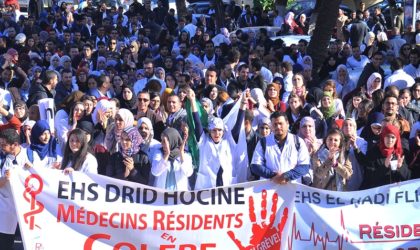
(175, 141)
(127, 104)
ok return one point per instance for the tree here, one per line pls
(325, 23)
(181, 8)
(220, 13)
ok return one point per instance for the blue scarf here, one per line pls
(42, 149)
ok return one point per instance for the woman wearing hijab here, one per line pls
(328, 108)
(331, 167)
(149, 144)
(101, 118)
(372, 130)
(272, 94)
(373, 83)
(385, 162)
(308, 134)
(124, 119)
(356, 148)
(54, 62)
(44, 149)
(261, 111)
(171, 166)
(130, 163)
(208, 106)
(329, 66)
(344, 84)
(264, 127)
(216, 165)
(127, 98)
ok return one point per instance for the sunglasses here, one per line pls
(143, 99)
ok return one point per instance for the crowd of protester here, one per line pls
(146, 97)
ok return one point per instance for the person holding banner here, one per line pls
(282, 156)
(332, 167)
(171, 166)
(124, 119)
(129, 162)
(356, 148)
(44, 149)
(76, 156)
(386, 163)
(149, 144)
(13, 156)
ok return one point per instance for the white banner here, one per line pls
(93, 212)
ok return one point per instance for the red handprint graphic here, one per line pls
(263, 235)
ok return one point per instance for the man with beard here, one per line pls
(149, 73)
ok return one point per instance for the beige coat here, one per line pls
(325, 176)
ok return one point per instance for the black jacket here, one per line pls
(368, 70)
(140, 173)
(38, 92)
(376, 174)
(358, 32)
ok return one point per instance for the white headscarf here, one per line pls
(127, 117)
(370, 81)
(103, 106)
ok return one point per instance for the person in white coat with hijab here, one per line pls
(217, 166)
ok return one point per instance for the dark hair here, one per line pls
(233, 90)
(335, 131)
(88, 45)
(101, 80)
(66, 71)
(396, 64)
(86, 98)
(117, 102)
(257, 64)
(75, 159)
(71, 113)
(212, 68)
(249, 115)
(278, 114)
(49, 75)
(10, 136)
(287, 65)
(377, 97)
(243, 66)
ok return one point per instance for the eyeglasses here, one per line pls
(391, 103)
(132, 47)
(143, 99)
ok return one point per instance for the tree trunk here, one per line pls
(220, 14)
(325, 24)
(181, 8)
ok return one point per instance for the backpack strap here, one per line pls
(263, 142)
(297, 143)
(30, 154)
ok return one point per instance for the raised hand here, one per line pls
(400, 161)
(266, 229)
(129, 163)
(165, 147)
(388, 161)
(191, 95)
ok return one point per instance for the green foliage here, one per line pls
(270, 4)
